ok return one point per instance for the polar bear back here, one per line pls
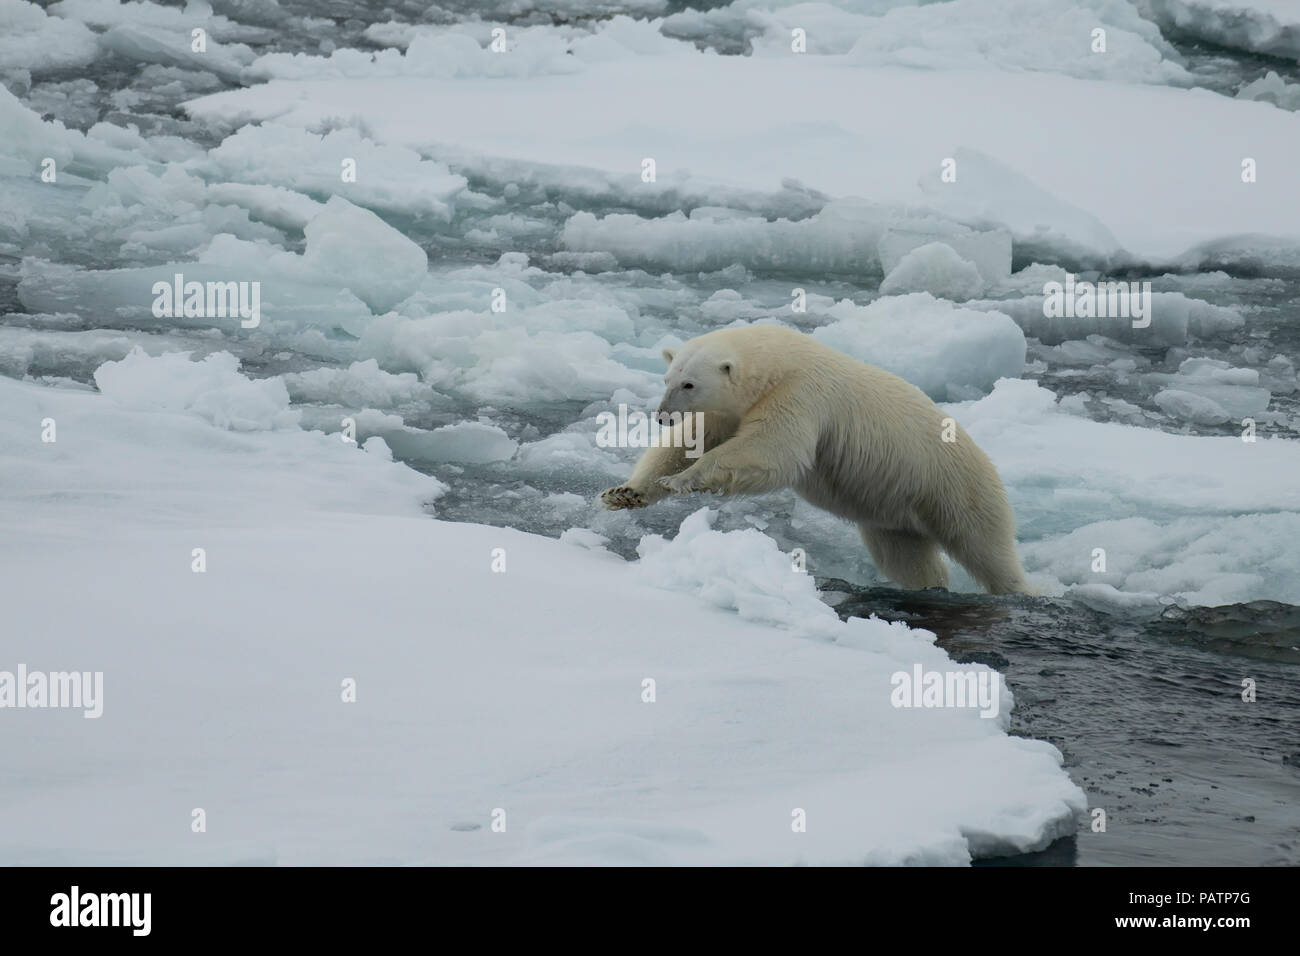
(881, 454)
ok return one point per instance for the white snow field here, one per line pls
(476, 690)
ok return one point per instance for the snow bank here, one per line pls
(491, 680)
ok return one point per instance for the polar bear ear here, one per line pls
(668, 355)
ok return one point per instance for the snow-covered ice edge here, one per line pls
(477, 690)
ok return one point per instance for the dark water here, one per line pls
(1148, 714)
(1147, 711)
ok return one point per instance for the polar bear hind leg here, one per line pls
(992, 562)
(910, 560)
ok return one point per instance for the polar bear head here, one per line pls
(702, 377)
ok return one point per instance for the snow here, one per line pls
(513, 674)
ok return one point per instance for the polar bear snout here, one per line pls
(671, 404)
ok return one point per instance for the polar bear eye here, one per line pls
(688, 385)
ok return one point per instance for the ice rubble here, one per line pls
(754, 122)
(975, 35)
(44, 351)
(240, 207)
(390, 267)
(1271, 88)
(1210, 392)
(1174, 317)
(329, 285)
(31, 39)
(935, 268)
(144, 44)
(152, 33)
(363, 384)
(846, 237)
(465, 442)
(948, 352)
(1261, 26)
(106, 14)
(135, 488)
(212, 388)
(388, 179)
(1144, 496)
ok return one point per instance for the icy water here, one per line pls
(1148, 714)
(1147, 710)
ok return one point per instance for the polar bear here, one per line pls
(782, 410)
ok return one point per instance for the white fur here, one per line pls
(782, 410)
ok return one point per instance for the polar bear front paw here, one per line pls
(684, 482)
(623, 496)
